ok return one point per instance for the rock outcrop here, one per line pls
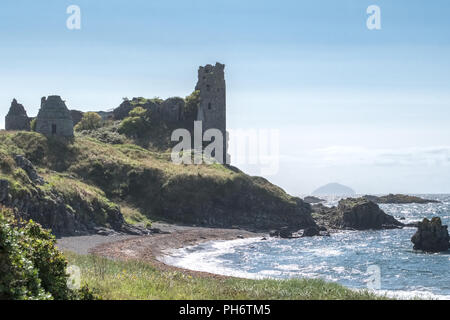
(398, 199)
(354, 214)
(76, 116)
(431, 236)
(312, 200)
(54, 211)
(28, 167)
(250, 203)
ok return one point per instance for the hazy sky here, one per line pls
(370, 109)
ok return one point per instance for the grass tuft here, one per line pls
(132, 280)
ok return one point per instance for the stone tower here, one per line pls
(54, 118)
(17, 118)
(212, 108)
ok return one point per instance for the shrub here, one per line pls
(191, 105)
(138, 112)
(132, 126)
(90, 121)
(31, 267)
(136, 124)
(33, 125)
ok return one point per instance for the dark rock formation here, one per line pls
(361, 214)
(311, 232)
(52, 210)
(289, 233)
(4, 190)
(28, 167)
(76, 116)
(54, 118)
(169, 110)
(122, 111)
(17, 118)
(250, 203)
(313, 200)
(431, 236)
(151, 105)
(285, 233)
(106, 115)
(398, 199)
(172, 109)
(356, 214)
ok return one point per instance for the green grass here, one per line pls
(132, 280)
(134, 216)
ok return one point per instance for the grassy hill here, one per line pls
(89, 183)
(97, 182)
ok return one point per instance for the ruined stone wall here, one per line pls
(172, 109)
(54, 118)
(212, 109)
(17, 118)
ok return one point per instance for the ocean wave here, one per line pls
(345, 257)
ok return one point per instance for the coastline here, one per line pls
(151, 248)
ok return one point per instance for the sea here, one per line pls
(382, 261)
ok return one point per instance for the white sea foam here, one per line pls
(411, 294)
(344, 258)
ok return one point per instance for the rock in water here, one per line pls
(313, 200)
(398, 199)
(361, 214)
(431, 236)
(311, 232)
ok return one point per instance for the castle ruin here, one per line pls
(54, 118)
(212, 109)
(17, 118)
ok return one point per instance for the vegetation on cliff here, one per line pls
(32, 267)
(89, 121)
(92, 177)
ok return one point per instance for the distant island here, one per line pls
(334, 189)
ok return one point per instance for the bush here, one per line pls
(192, 103)
(31, 267)
(138, 112)
(33, 125)
(136, 124)
(90, 121)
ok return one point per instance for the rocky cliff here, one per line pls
(85, 178)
